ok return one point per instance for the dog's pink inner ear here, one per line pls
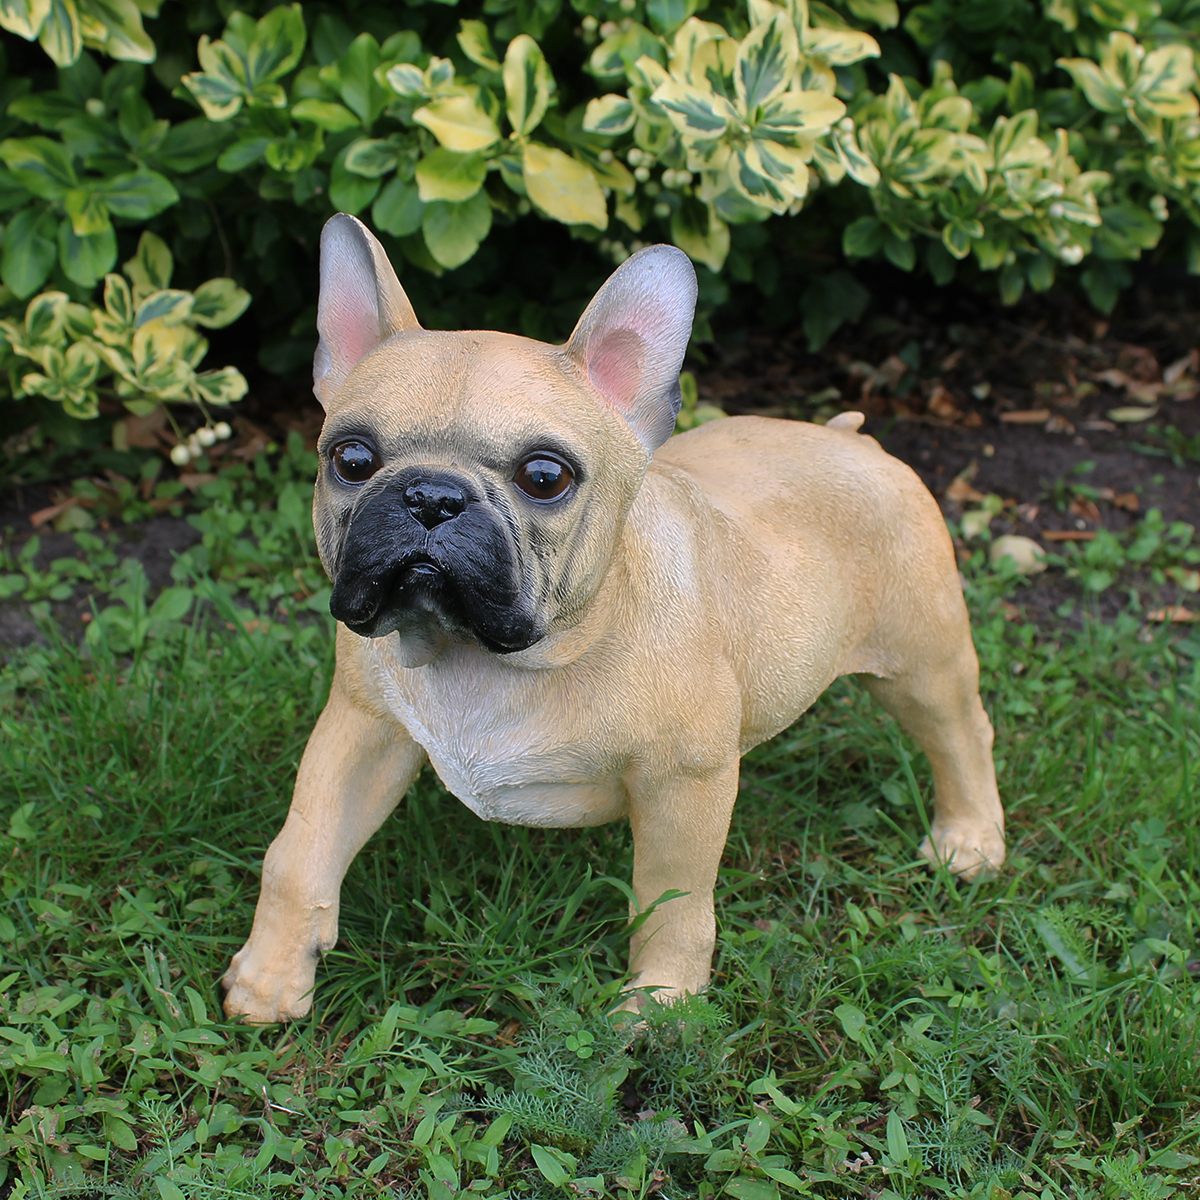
(615, 364)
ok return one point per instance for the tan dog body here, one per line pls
(692, 610)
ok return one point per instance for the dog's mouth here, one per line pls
(418, 591)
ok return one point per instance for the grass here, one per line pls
(873, 1030)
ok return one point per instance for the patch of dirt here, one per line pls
(983, 401)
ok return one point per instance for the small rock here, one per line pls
(1028, 557)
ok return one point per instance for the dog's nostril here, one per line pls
(432, 503)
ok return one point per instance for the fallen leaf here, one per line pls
(1026, 416)
(44, 516)
(1026, 555)
(942, 405)
(959, 489)
(1127, 501)
(1131, 413)
(1174, 372)
(1069, 535)
(1175, 614)
(1085, 509)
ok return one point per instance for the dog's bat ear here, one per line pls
(631, 339)
(361, 302)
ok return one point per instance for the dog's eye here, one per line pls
(542, 478)
(354, 462)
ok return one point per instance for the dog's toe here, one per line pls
(967, 851)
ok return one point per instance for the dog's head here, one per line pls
(474, 484)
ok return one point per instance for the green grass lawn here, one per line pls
(873, 1029)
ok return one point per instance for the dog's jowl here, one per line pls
(575, 617)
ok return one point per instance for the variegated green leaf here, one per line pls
(700, 234)
(370, 157)
(24, 17)
(115, 26)
(562, 187)
(1165, 83)
(459, 122)
(840, 47)
(86, 212)
(1015, 144)
(406, 80)
(170, 306)
(444, 175)
(794, 116)
(697, 115)
(149, 270)
(608, 115)
(218, 303)
(325, 114)
(765, 60)
(226, 385)
(858, 166)
(476, 43)
(1099, 88)
(60, 35)
(528, 84)
(45, 315)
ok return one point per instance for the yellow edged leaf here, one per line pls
(562, 187)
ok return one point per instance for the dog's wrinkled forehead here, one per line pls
(424, 390)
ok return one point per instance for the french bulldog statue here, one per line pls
(576, 618)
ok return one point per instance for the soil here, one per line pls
(979, 400)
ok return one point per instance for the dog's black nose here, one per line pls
(432, 502)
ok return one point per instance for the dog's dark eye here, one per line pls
(543, 478)
(354, 462)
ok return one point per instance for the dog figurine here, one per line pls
(576, 620)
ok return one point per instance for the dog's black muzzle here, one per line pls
(426, 545)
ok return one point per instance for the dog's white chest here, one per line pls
(496, 758)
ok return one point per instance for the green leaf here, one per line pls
(243, 153)
(742, 1187)
(86, 260)
(557, 1166)
(863, 238)
(562, 187)
(897, 1140)
(609, 115)
(666, 16)
(349, 192)
(453, 232)
(398, 208)
(60, 35)
(444, 175)
(137, 195)
(218, 303)
(29, 251)
(360, 91)
(86, 212)
(39, 165)
(370, 157)
(459, 123)
(528, 84)
(166, 1189)
(333, 118)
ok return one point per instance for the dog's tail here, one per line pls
(848, 422)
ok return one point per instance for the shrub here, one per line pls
(1009, 141)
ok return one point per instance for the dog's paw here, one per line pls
(265, 992)
(966, 850)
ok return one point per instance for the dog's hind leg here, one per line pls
(937, 702)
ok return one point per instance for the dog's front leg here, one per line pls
(679, 831)
(355, 769)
